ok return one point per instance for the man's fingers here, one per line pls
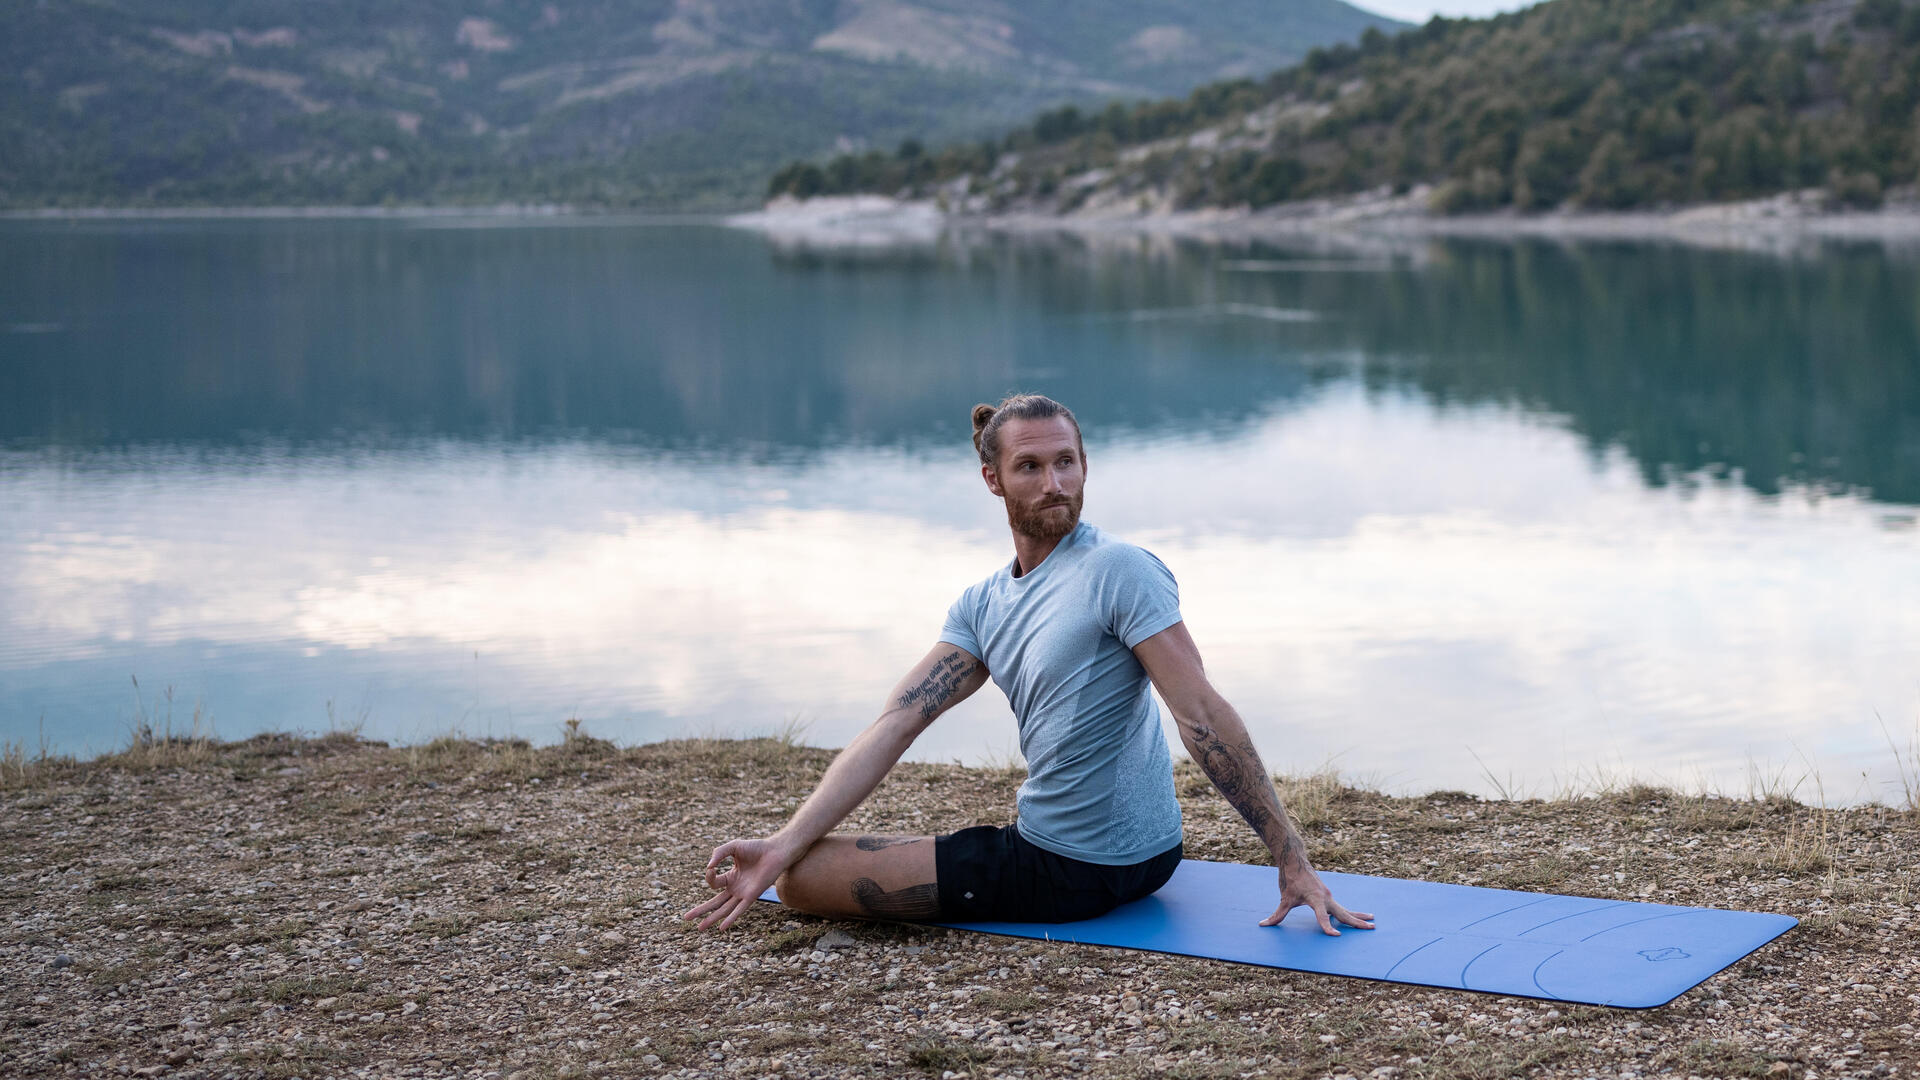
(709, 905)
(720, 854)
(1326, 924)
(719, 910)
(1359, 919)
(1279, 913)
(739, 908)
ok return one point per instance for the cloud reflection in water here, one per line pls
(1372, 581)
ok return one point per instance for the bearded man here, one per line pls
(1075, 630)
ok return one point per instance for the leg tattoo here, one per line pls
(915, 902)
(876, 843)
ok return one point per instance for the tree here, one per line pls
(1547, 169)
(1606, 181)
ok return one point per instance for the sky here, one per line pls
(1419, 11)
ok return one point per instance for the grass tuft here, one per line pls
(1906, 764)
(938, 1056)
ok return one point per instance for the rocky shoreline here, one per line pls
(1784, 223)
(284, 907)
(1788, 223)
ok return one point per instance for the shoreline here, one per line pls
(1782, 223)
(1782, 220)
(505, 212)
(18, 757)
(302, 907)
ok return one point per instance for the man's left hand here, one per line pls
(1301, 887)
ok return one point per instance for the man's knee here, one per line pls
(783, 887)
(797, 887)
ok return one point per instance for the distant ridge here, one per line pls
(655, 103)
(1597, 104)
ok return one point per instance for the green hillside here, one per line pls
(663, 103)
(1588, 103)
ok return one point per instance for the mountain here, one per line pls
(1571, 103)
(652, 102)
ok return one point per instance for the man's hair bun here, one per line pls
(982, 413)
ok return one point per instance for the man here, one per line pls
(1073, 630)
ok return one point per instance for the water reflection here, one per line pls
(1360, 590)
(1555, 506)
(1799, 371)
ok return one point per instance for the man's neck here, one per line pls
(1029, 553)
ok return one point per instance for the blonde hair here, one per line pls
(988, 418)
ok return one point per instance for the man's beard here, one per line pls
(1045, 522)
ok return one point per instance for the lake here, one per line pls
(1528, 517)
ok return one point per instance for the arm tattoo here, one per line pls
(1232, 770)
(913, 903)
(876, 843)
(934, 691)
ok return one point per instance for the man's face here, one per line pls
(1042, 476)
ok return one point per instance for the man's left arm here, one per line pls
(1217, 739)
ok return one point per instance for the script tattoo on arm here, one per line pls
(1236, 771)
(933, 692)
(914, 903)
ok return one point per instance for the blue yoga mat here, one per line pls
(1497, 941)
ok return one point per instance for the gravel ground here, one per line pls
(319, 908)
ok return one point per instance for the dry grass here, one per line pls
(521, 900)
(1906, 761)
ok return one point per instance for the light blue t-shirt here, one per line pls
(1059, 641)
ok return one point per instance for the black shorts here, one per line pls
(995, 874)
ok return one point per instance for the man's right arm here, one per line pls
(941, 680)
(946, 676)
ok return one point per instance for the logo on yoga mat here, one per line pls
(1668, 953)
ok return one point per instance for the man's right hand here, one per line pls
(756, 865)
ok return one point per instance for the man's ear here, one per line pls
(992, 477)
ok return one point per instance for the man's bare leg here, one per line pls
(864, 877)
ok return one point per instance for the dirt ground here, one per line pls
(319, 908)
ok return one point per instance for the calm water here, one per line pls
(1460, 515)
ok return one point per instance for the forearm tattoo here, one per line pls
(876, 843)
(913, 903)
(940, 684)
(1235, 770)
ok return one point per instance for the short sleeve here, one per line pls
(959, 628)
(1138, 596)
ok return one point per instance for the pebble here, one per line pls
(614, 937)
(62, 961)
(836, 939)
